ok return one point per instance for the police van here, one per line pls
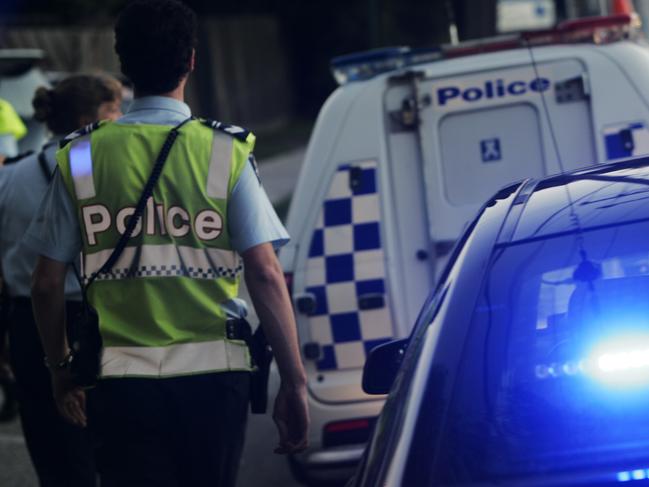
(403, 154)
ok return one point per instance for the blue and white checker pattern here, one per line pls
(346, 260)
(635, 143)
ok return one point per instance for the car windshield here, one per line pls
(554, 375)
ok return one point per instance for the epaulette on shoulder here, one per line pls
(232, 130)
(79, 133)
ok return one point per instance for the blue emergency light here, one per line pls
(621, 361)
(365, 65)
(615, 362)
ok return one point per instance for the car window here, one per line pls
(554, 374)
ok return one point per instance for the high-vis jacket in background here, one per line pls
(10, 121)
(159, 306)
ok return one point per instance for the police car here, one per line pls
(20, 76)
(529, 363)
(403, 154)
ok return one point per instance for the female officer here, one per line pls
(61, 453)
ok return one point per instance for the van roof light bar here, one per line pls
(596, 30)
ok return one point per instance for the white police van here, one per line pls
(403, 154)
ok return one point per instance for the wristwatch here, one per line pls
(62, 364)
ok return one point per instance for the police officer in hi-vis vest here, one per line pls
(171, 403)
(60, 452)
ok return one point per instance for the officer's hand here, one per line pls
(291, 415)
(6, 373)
(70, 399)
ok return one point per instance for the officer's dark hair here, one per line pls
(154, 40)
(74, 101)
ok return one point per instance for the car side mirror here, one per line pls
(382, 365)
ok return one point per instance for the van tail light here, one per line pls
(348, 432)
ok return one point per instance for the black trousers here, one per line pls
(61, 453)
(176, 432)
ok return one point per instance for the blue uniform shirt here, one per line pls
(22, 186)
(55, 230)
(8, 145)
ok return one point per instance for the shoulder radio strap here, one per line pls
(42, 162)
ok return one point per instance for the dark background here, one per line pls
(310, 33)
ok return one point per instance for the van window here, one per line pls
(484, 149)
(554, 376)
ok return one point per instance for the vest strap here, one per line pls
(174, 360)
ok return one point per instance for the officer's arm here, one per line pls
(48, 300)
(269, 295)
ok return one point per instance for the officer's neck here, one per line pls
(177, 93)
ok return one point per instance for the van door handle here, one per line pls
(312, 351)
(371, 301)
(306, 303)
(443, 247)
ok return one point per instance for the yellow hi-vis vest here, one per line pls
(10, 122)
(159, 307)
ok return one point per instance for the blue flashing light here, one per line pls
(623, 476)
(630, 475)
(360, 66)
(622, 361)
(365, 65)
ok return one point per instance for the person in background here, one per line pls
(12, 129)
(61, 452)
(170, 406)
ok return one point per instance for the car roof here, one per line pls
(595, 197)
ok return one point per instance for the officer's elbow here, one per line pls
(48, 276)
(266, 273)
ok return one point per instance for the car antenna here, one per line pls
(587, 270)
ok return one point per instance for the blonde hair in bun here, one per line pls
(74, 101)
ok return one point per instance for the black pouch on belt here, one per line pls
(86, 346)
(262, 356)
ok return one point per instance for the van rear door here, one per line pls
(340, 287)
(483, 130)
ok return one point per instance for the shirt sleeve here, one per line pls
(54, 232)
(252, 220)
(8, 145)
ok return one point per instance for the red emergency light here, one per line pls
(596, 30)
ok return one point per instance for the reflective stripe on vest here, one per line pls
(165, 261)
(81, 168)
(217, 177)
(219, 171)
(181, 359)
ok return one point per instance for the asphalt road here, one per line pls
(259, 465)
